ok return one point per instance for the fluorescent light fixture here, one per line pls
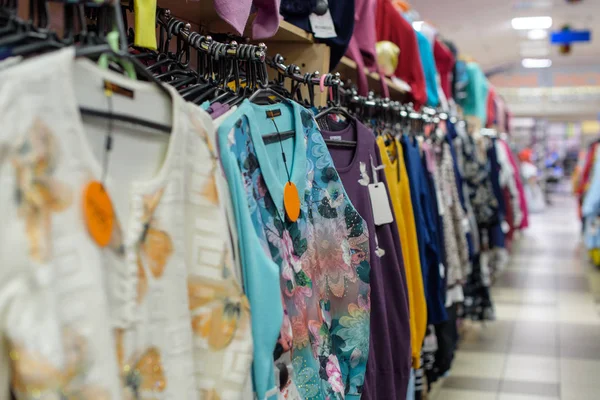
(536, 63)
(417, 25)
(537, 34)
(531, 23)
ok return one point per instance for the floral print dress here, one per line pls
(322, 257)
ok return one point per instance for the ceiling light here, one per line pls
(417, 25)
(536, 63)
(537, 34)
(531, 23)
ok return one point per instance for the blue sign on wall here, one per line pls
(568, 36)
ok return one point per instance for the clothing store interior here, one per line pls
(299, 200)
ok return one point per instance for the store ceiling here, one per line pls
(482, 29)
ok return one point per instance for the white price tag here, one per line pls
(466, 224)
(322, 25)
(440, 202)
(382, 212)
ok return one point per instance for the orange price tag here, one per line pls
(291, 201)
(98, 213)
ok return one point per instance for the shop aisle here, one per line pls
(545, 344)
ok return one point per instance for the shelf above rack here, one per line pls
(203, 13)
(349, 70)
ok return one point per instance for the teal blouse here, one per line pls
(475, 103)
(429, 69)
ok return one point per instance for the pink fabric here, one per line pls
(365, 35)
(429, 156)
(237, 12)
(361, 48)
(491, 107)
(510, 219)
(519, 183)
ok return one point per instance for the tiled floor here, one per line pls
(545, 344)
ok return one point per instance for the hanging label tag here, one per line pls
(378, 250)
(273, 113)
(440, 201)
(291, 201)
(322, 25)
(120, 90)
(466, 224)
(382, 212)
(505, 227)
(98, 213)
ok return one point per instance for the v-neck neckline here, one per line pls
(297, 169)
(174, 135)
(138, 188)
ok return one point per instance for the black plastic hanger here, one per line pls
(339, 111)
(264, 93)
(8, 19)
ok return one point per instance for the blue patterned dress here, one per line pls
(322, 257)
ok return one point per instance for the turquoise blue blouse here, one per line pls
(429, 68)
(477, 93)
(322, 258)
(260, 274)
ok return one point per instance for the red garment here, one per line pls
(392, 26)
(501, 114)
(520, 188)
(491, 107)
(510, 219)
(585, 176)
(587, 170)
(444, 61)
(507, 118)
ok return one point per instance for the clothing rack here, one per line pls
(207, 44)
(258, 53)
(292, 71)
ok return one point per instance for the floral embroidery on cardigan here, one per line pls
(38, 193)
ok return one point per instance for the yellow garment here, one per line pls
(595, 256)
(397, 178)
(145, 23)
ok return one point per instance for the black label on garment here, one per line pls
(273, 113)
(113, 87)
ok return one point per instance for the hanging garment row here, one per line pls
(208, 233)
